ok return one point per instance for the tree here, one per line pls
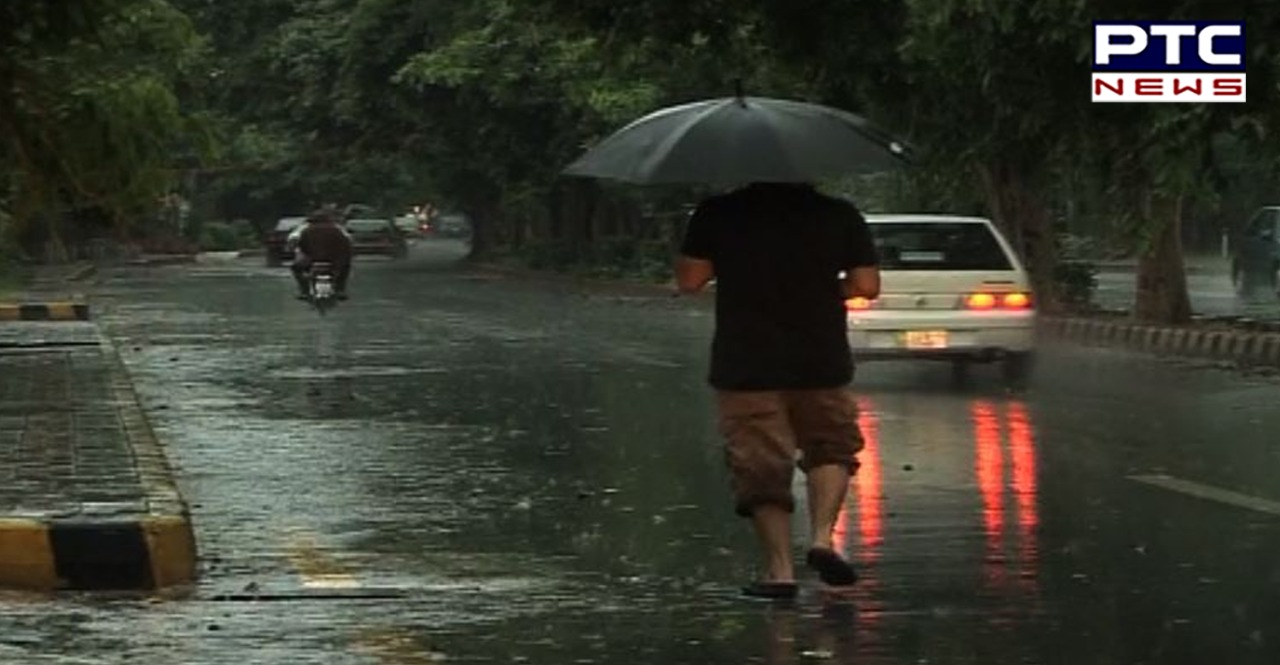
(92, 119)
(1161, 159)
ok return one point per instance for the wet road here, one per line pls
(458, 468)
(1208, 285)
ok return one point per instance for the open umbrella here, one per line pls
(741, 139)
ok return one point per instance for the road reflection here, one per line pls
(1004, 432)
(830, 633)
(1005, 466)
(866, 491)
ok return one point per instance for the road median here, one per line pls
(92, 503)
(1221, 341)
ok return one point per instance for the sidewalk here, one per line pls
(87, 499)
(1196, 264)
(52, 293)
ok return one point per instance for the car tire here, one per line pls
(1016, 368)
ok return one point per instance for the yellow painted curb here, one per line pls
(44, 311)
(26, 556)
(172, 546)
(61, 311)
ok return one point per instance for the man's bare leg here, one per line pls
(773, 527)
(827, 485)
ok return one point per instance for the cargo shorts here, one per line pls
(768, 433)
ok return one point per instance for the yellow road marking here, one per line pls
(395, 647)
(319, 569)
(1210, 493)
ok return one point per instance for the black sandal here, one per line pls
(831, 567)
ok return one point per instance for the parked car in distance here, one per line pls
(377, 236)
(952, 288)
(452, 225)
(1255, 255)
(278, 250)
(360, 211)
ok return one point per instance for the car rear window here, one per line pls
(938, 246)
(289, 223)
(366, 225)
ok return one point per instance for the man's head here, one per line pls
(323, 215)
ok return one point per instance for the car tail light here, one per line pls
(858, 304)
(989, 301)
(1016, 301)
(980, 301)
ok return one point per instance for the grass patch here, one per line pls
(13, 280)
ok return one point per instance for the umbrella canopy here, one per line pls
(738, 140)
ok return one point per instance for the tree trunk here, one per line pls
(588, 199)
(1162, 280)
(484, 229)
(1025, 220)
(556, 208)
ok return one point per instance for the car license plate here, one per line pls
(925, 339)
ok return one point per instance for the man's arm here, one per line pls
(301, 244)
(862, 282)
(862, 261)
(694, 267)
(693, 274)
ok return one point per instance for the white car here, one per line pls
(952, 288)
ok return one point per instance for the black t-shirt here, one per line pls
(778, 250)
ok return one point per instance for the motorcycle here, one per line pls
(321, 292)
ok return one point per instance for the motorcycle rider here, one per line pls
(322, 239)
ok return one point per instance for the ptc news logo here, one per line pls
(1168, 61)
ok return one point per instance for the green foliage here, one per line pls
(618, 258)
(477, 106)
(92, 117)
(229, 236)
(1076, 282)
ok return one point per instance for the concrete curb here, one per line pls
(44, 311)
(162, 260)
(616, 285)
(82, 273)
(144, 553)
(1243, 347)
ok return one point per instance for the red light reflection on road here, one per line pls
(1022, 449)
(990, 466)
(992, 427)
(990, 470)
(866, 488)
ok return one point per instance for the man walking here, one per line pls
(785, 257)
